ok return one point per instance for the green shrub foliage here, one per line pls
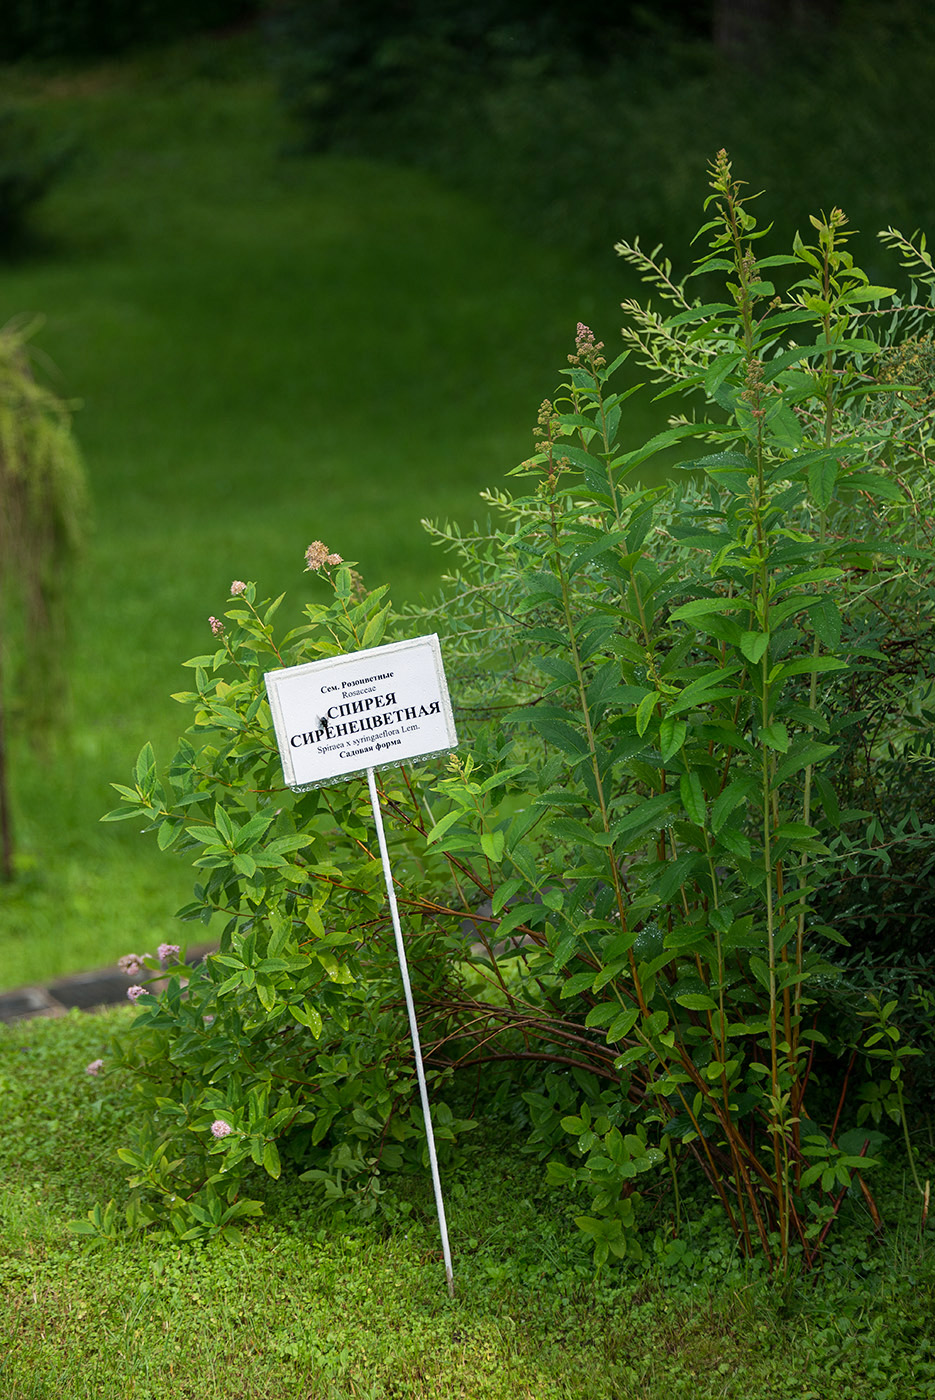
(612, 895)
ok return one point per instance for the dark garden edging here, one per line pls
(84, 991)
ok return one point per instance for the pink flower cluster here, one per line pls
(216, 625)
(94, 1067)
(584, 337)
(237, 588)
(168, 952)
(587, 350)
(220, 1129)
(318, 555)
(131, 964)
(134, 993)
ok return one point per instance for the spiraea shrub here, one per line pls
(616, 894)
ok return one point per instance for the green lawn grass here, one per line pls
(307, 1308)
(267, 350)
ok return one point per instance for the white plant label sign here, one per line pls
(352, 714)
(368, 709)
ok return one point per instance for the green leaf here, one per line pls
(145, 770)
(251, 834)
(505, 892)
(804, 665)
(721, 366)
(662, 440)
(699, 313)
(775, 736)
(876, 485)
(307, 1016)
(821, 480)
(704, 690)
(557, 667)
(271, 1162)
(644, 712)
(786, 358)
(803, 753)
(577, 983)
(167, 834)
(753, 645)
(760, 971)
(675, 875)
(562, 736)
(223, 823)
(571, 829)
(602, 1014)
(692, 795)
(655, 1023)
(826, 620)
(736, 792)
(717, 461)
(622, 1025)
(795, 831)
(823, 575)
(672, 734)
(701, 607)
(612, 541)
(696, 1001)
(440, 827)
(491, 843)
(121, 814)
(866, 293)
(735, 842)
(647, 815)
(373, 632)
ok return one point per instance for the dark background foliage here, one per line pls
(584, 125)
(580, 125)
(79, 29)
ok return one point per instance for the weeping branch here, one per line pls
(42, 512)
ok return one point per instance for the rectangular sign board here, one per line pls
(368, 709)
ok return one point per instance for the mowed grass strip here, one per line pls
(267, 350)
(309, 1306)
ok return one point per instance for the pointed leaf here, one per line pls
(672, 733)
(821, 479)
(696, 1001)
(775, 736)
(733, 795)
(644, 712)
(692, 796)
(753, 645)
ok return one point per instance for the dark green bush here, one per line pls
(29, 166)
(78, 29)
(579, 133)
(380, 78)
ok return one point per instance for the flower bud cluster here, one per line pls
(587, 351)
(318, 556)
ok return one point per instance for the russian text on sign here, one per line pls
(395, 694)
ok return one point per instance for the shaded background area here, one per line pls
(309, 270)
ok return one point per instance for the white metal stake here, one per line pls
(413, 1027)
